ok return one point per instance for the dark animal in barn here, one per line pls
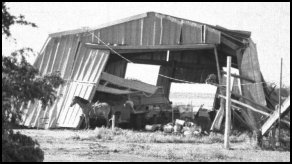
(89, 109)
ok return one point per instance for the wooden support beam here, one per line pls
(284, 120)
(219, 116)
(136, 85)
(217, 65)
(238, 76)
(154, 47)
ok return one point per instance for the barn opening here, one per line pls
(144, 72)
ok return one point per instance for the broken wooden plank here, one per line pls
(255, 103)
(131, 84)
(274, 117)
(284, 120)
(247, 106)
(115, 91)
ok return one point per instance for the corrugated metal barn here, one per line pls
(195, 51)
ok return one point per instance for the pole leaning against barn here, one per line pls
(228, 105)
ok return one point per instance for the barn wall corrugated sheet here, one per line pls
(192, 33)
(156, 29)
(86, 66)
(87, 69)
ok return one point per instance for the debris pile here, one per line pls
(180, 127)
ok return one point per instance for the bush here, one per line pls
(20, 148)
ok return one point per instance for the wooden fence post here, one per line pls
(228, 105)
(113, 122)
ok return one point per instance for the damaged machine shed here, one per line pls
(183, 49)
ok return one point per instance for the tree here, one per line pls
(21, 83)
(8, 20)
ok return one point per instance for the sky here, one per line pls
(269, 24)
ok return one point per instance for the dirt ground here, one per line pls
(74, 145)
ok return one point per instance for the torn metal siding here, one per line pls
(249, 68)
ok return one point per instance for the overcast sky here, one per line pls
(269, 24)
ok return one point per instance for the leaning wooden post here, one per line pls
(228, 105)
(113, 122)
(219, 116)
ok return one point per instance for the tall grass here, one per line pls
(129, 136)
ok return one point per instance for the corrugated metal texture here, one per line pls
(213, 36)
(170, 29)
(156, 29)
(249, 68)
(28, 113)
(192, 33)
(87, 68)
(56, 56)
(152, 29)
(117, 68)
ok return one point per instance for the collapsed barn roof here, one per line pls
(195, 51)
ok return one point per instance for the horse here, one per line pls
(99, 108)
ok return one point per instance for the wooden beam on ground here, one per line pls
(136, 85)
(153, 47)
(274, 117)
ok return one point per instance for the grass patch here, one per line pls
(130, 136)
